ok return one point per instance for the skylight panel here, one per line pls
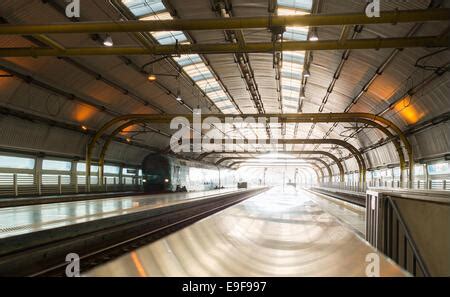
(298, 4)
(291, 98)
(207, 83)
(293, 61)
(192, 64)
(293, 67)
(290, 82)
(144, 7)
(218, 95)
(283, 11)
(294, 57)
(295, 34)
(291, 75)
(195, 69)
(169, 37)
(185, 60)
(158, 17)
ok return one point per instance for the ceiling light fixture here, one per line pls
(108, 41)
(306, 73)
(314, 36)
(84, 128)
(178, 90)
(152, 77)
(179, 99)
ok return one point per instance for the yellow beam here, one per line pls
(392, 17)
(225, 48)
(364, 118)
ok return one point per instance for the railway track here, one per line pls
(100, 246)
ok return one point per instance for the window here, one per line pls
(418, 170)
(439, 168)
(108, 169)
(16, 162)
(81, 167)
(56, 165)
(130, 171)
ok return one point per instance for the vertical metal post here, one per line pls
(38, 175)
(120, 182)
(88, 170)
(38, 182)
(59, 185)
(73, 176)
(76, 184)
(16, 187)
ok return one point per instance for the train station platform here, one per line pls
(24, 201)
(271, 234)
(32, 236)
(32, 218)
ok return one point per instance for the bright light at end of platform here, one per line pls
(276, 156)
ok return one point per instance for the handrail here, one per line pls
(417, 257)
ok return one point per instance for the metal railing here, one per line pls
(395, 184)
(399, 245)
(345, 186)
(387, 231)
(15, 185)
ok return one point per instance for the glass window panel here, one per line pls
(289, 82)
(144, 7)
(81, 167)
(290, 11)
(294, 57)
(16, 162)
(185, 60)
(130, 171)
(56, 165)
(292, 67)
(158, 17)
(292, 75)
(439, 168)
(208, 84)
(111, 169)
(418, 170)
(296, 33)
(301, 4)
(169, 37)
(294, 88)
(291, 99)
(192, 64)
